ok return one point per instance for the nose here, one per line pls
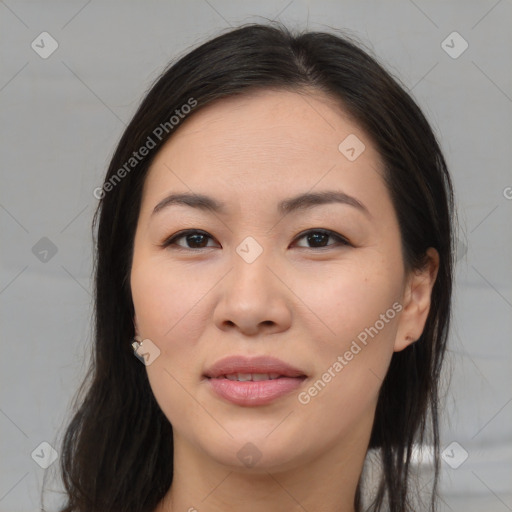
(252, 299)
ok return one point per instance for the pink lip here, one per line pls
(253, 393)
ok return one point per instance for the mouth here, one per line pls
(254, 377)
(253, 381)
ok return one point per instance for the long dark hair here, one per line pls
(117, 451)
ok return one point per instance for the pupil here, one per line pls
(195, 240)
(318, 237)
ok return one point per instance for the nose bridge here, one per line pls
(250, 274)
(251, 296)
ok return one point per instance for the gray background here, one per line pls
(61, 119)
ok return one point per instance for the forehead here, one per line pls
(263, 122)
(251, 142)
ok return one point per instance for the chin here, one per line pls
(256, 453)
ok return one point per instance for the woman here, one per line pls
(275, 246)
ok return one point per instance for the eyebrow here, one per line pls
(293, 204)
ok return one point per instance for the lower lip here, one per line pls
(253, 393)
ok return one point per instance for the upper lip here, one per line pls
(260, 364)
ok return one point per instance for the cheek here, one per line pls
(361, 307)
(359, 316)
(170, 313)
(167, 300)
(347, 299)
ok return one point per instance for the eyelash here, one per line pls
(171, 241)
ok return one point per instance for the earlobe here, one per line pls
(416, 301)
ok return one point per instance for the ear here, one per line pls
(416, 301)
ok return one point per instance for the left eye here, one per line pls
(319, 238)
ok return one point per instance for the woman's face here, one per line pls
(276, 316)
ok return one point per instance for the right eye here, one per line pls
(193, 239)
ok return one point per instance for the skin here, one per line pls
(296, 302)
